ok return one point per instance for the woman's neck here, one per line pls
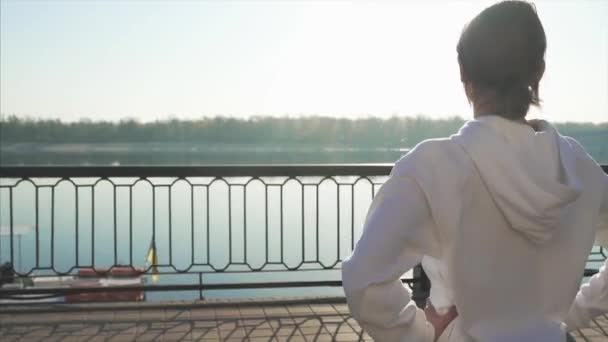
(482, 108)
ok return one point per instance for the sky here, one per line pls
(153, 59)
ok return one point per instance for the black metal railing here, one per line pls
(204, 223)
(298, 218)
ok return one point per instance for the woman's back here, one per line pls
(510, 235)
(518, 236)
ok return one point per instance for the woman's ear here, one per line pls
(469, 91)
(463, 76)
(540, 72)
(468, 87)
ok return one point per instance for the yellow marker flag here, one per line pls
(155, 274)
(152, 259)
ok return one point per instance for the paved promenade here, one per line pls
(323, 319)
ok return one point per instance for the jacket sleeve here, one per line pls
(592, 299)
(397, 232)
(603, 220)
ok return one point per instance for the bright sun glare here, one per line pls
(149, 60)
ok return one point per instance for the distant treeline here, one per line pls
(326, 131)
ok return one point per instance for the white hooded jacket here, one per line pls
(503, 219)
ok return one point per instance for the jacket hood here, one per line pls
(529, 174)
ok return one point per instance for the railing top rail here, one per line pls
(236, 170)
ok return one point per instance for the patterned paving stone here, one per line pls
(267, 321)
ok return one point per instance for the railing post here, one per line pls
(200, 284)
(421, 288)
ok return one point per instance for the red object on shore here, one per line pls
(123, 296)
(103, 277)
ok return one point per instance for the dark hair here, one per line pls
(501, 52)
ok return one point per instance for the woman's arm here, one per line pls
(592, 299)
(398, 231)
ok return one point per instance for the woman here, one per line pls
(502, 214)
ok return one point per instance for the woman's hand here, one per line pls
(439, 322)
